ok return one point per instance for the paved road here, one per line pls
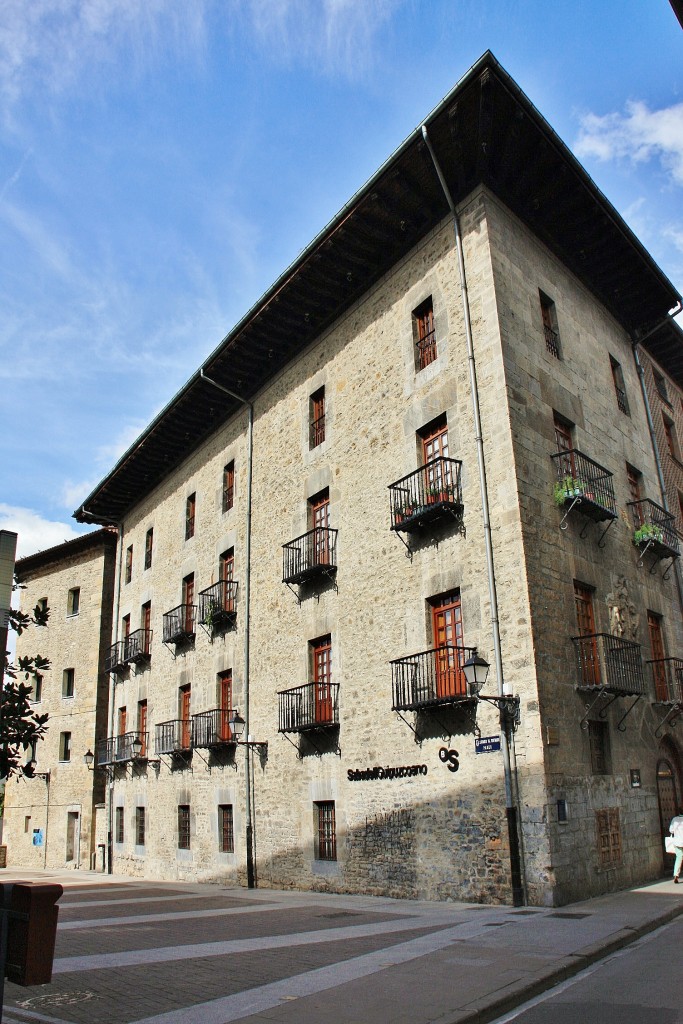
(642, 984)
(137, 952)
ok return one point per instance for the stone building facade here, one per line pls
(50, 820)
(427, 441)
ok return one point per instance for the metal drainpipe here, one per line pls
(655, 449)
(251, 876)
(517, 874)
(110, 724)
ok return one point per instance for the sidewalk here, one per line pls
(183, 953)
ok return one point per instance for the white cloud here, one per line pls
(34, 532)
(639, 135)
(48, 46)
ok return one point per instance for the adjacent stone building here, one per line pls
(427, 444)
(50, 819)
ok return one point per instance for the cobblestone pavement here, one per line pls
(139, 952)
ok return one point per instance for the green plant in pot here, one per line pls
(567, 488)
(648, 532)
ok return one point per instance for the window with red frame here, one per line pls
(321, 656)
(225, 702)
(229, 486)
(424, 334)
(226, 829)
(317, 418)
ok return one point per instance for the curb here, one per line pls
(486, 1010)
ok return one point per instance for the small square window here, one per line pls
(65, 746)
(326, 830)
(139, 826)
(226, 831)
(129, 563)
(73, 603)
(183, 826)
(68, 680)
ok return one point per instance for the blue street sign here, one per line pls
(486, 744)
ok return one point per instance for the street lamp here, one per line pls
(476, 670)
(237, 726)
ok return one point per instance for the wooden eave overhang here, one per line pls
(485, 131)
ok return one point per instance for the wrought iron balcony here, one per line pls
(585, 485)
(212, 728)
(430, 679)
(428, 493)
(179, 624)
(139, 645)
(313, 706)
(609, 663)
(119, 749)
(654, 529)
(174, 737)
(667, 676)
(217, 604)
(313, 554)
(115, 659)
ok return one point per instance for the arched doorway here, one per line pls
(669, 791)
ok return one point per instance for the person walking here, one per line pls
(676, 830)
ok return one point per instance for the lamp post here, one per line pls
(476, 670)
(237, 726)
(89, 759)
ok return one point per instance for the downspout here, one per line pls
(251, 878)
(507, 747)
(112, 702)
(635, 341)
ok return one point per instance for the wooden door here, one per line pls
(565, 443)
(226, 571)
(667, 795)
(142, 726)
(654, 626)
(185, 723)
(322, 679)
(146, 625)
(225, 703)
(447, 633)
(589, 659)
(434, 452)
(72, 836)
(188, 602)
(320, 519)
(426, 337)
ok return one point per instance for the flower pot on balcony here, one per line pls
(648, 533)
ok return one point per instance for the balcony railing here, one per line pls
(217, 604)
(552, 341)
(426, 349)
(313, 706)
(139, 645)
(667, 676)
(179, 624)
(316, 431)
(173, 737)
(313, 554)
(119, 749)
(609, 663)
(212, 728)
(430, 678)
(115, 659)
(654, 528)
(428, 493)
(582, 481)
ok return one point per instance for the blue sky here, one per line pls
(162, 162)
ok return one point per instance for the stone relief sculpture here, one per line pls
(624, 620)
